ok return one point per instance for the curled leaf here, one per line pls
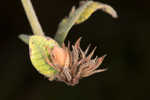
(79, 15)
(92, 7)
(38, 53)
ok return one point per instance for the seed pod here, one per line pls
(38, 53)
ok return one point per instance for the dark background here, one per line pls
(125, 40)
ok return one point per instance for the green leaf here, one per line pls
(24, 38)
(92, 7)
(38, 53)
(79, 15)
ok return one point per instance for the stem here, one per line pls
(67, 23)
(33, 20)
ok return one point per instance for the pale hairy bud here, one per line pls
(59, 56)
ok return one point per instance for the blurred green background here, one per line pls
(125, 40)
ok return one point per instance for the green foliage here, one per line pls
(38, 52)
(79, 15)
(92, 7)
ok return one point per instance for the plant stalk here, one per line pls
(33, 20)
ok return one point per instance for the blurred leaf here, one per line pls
(79, 15)
(92, 7)
(24, 38)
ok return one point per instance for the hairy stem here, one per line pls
(33, 20)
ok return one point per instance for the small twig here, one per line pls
(33, 20)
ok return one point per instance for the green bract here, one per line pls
(38, 52)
